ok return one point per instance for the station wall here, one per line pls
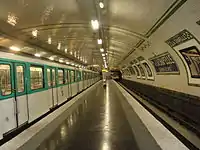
(184, 19)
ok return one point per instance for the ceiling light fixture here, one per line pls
(59, 46)
(35, 33)
(14, 48)
(103, 54)
(37, 55)
(95, 24)
(104, 58)
(102, 50)
(49, 40)
(51, 58)
(101, 5)
(12, 19)
(67, 63)
(65, 50)
(99, 41)
(61, 61)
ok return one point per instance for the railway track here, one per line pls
(180, 118)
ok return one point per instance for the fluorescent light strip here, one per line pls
(14, 48)
(99, 41)
(101, 5)
(37, 55)
(49, 40)
(95, 24)
(51, 58)
(61, 61)
(102, 50)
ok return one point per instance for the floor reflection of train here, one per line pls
(116, 75)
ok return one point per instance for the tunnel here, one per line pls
(99, 74)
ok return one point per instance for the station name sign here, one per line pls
(179, 38)
(164, 64)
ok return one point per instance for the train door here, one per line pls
(51, 76)
(8, 117)
(20, 93)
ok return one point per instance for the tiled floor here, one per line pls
(97, 124)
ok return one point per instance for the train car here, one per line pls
(29, 88)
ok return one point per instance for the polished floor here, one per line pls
(99, 123)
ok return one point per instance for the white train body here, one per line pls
(17, 109)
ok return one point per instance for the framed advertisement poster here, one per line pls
(192, 58)
(189, 53)
(149, 72)
(186, 45)
(138, 74)
(164, 64)
(132, 71)
(141, 69)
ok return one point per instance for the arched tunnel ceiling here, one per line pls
(124, 24)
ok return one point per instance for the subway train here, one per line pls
(30, 88)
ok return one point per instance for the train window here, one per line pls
(20, 78)
(53, 77)
(5, 79)
(60, 76)
(83, 75)
(66, 76)
(37, 77)
(137, 71)
(72, 76)
(49, 77)
(78, 76)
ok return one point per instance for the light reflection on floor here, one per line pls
(106, 132)
(98, 123)
(64, 129)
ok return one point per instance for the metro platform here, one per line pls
(98, 119)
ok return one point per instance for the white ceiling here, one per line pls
(124, 23)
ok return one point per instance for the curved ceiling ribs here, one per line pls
(114, 33)
(124, 26)
(166, 15)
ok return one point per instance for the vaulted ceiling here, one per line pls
(63, 27)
